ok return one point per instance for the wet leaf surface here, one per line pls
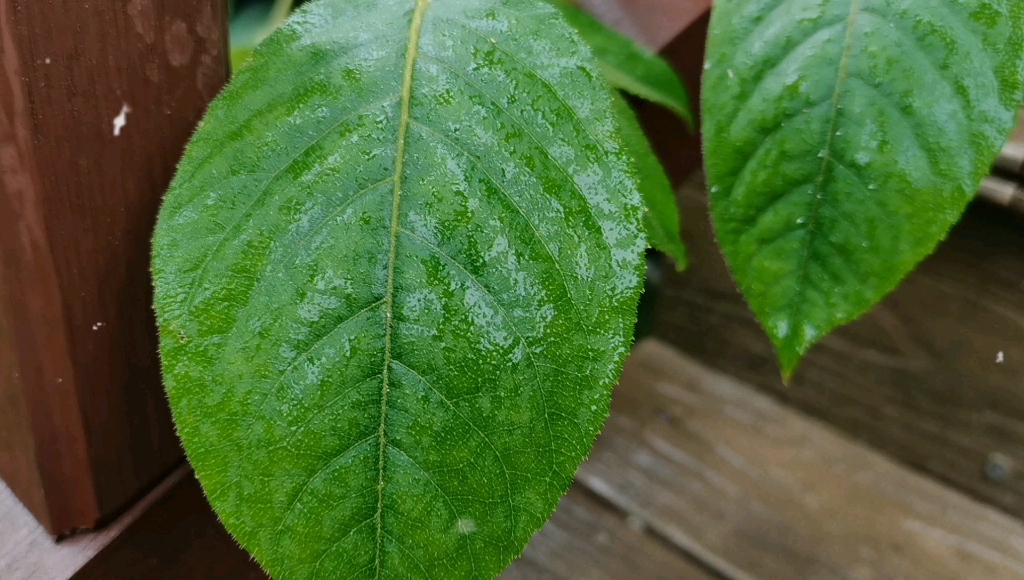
(843, 138)
(396, 278)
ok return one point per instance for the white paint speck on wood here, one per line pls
(121, 119)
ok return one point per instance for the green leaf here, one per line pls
(630, 67)
(661, 214)
(252, 24)
(842, 140)
(396, 278)
(240, 56)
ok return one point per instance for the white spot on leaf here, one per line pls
(465, 526)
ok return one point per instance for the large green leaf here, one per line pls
(628, 66)
(843, 138)
(396, 278)
(661, 214)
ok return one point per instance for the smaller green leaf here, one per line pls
(628, 66)
(240, 56)
(843, 139)
(661, 214)
(251, 24)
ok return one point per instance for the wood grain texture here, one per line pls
(28, 552)
(1008, 193)
(179, 537)
(79, 200)
(587, 539)
(17, 447)
(38, 337)
(762, 492)
(931, 376)
(1011, 160)
(709, 479)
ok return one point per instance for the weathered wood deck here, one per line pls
(697, 476)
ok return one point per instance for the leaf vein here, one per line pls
(508, 479)
(815, 209)
(572, 112)
(295, 362)
(533, 136)
(413, 556)
(443, 493)
(739, 117)
(412, 48)
(505, 315)
(196, 282)
(554, 261)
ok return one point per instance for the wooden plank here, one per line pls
(180, 537)
(585, 539)
(1011, 157)
(931, 376)
(1005, 192)
(37, 337)
(28, 552)
(17, 447)
(98, 99)
(760, 491)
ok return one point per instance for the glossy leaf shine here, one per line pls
(842, 140)
(396, 278)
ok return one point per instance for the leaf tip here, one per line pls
(787, 365)
(677, 253)
(790, 348)
(686, 115)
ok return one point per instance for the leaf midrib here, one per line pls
(403, 125)
(818, 194)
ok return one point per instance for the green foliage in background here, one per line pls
(661, 215)
(628, 66)
(251, 22)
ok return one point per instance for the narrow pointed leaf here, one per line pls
(661, 214)
(630, 67)
(396, 277)
(843, 138)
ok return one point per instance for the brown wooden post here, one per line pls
(97, 100)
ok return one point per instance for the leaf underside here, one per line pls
(396, 278)
(842, 140)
